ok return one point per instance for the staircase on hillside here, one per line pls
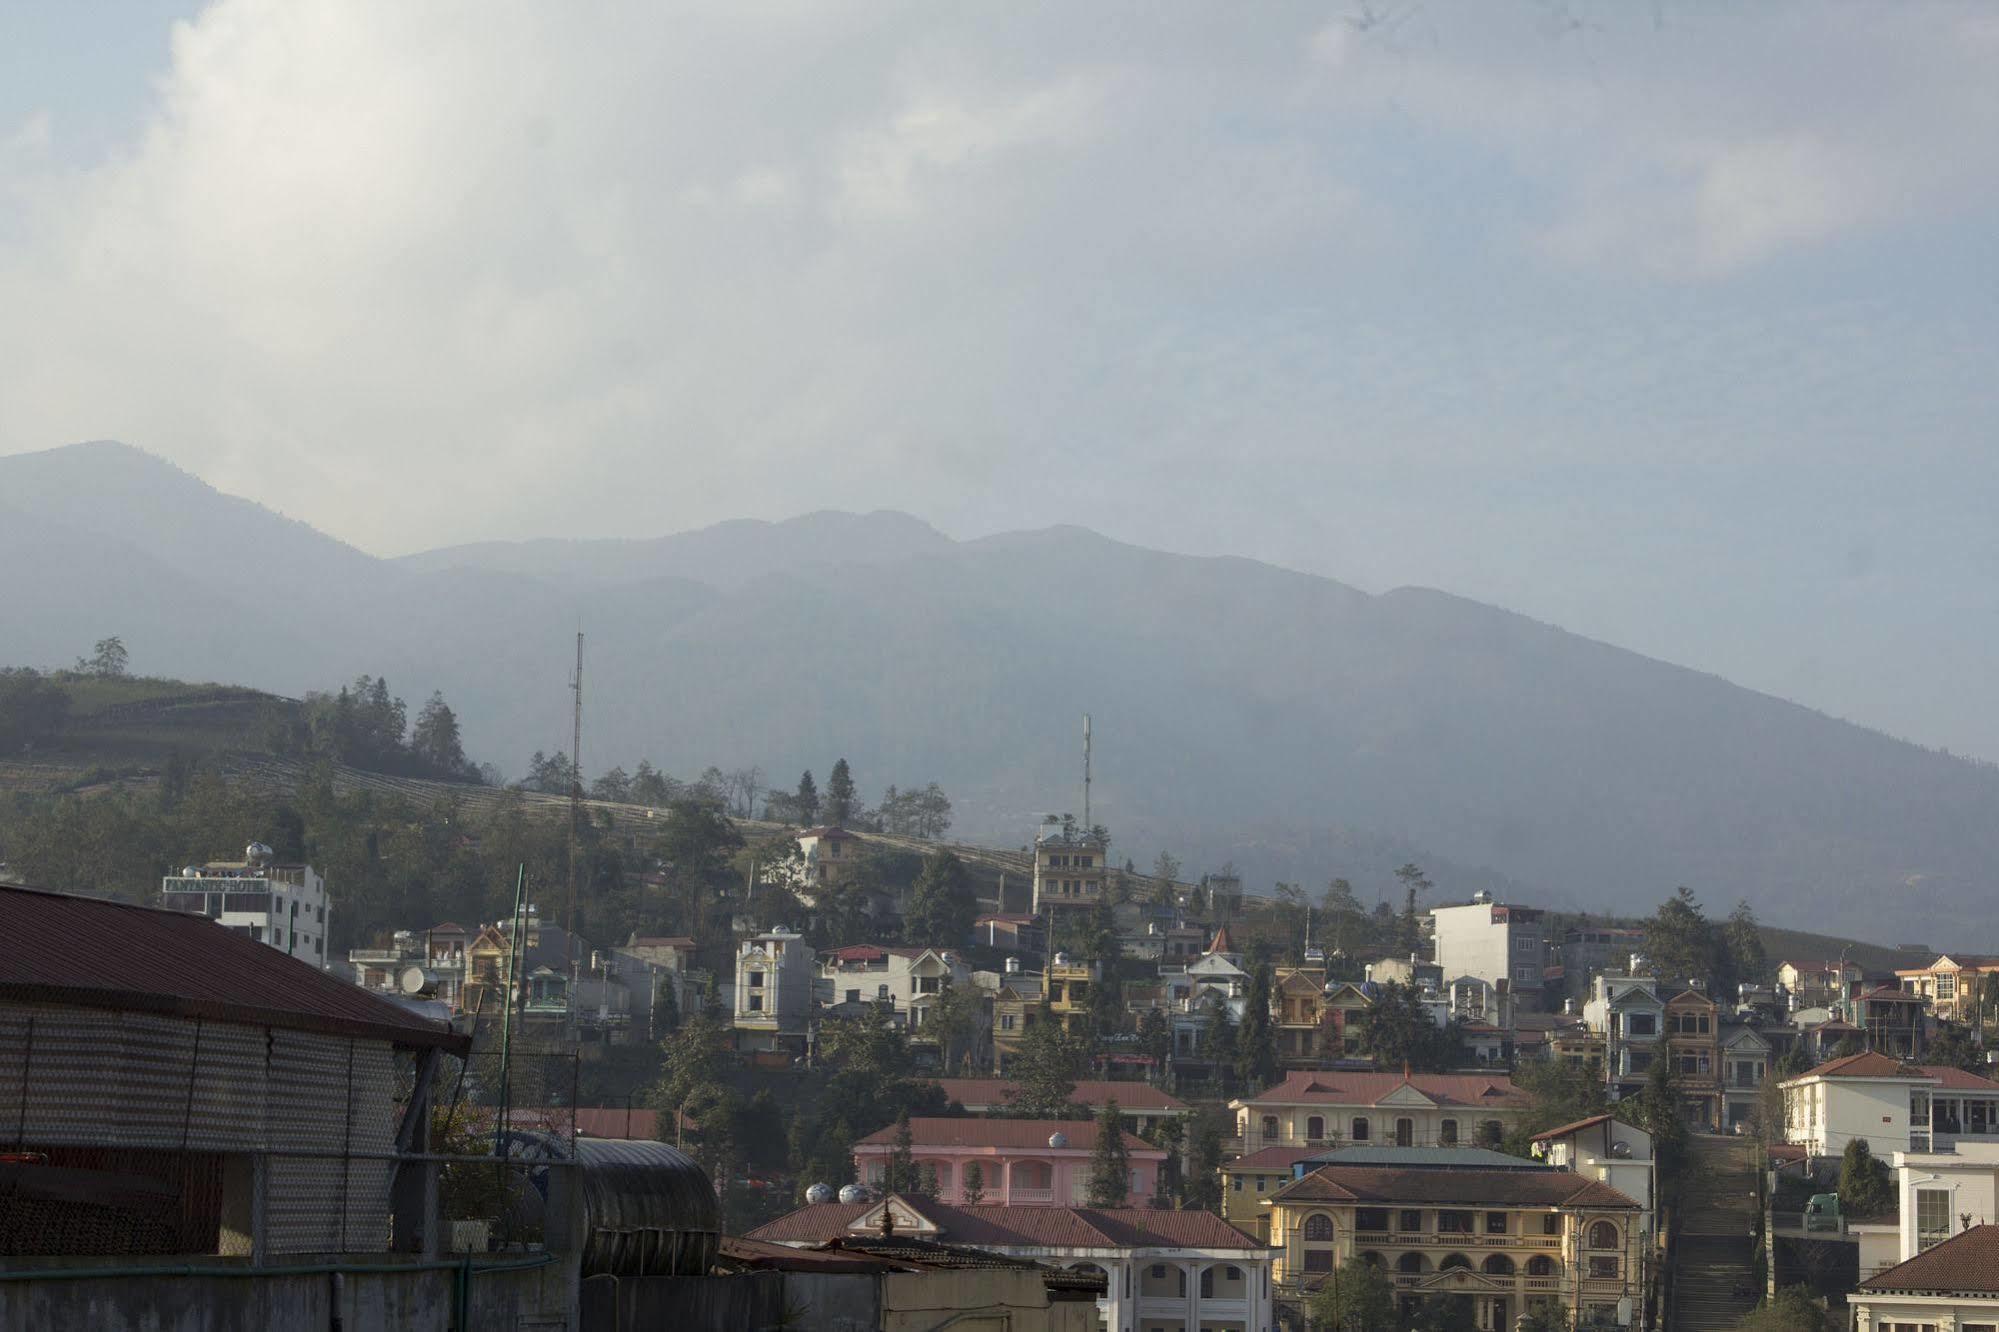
(1713, 1263)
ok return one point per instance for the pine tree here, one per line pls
(1413, 882)
(974, 1185)
(840, 794)
(941, 905)
(807, 799)
(926, 1179)
(901, 1174)
(1256, 1039)
(1204, 1172)
(1110, 1161)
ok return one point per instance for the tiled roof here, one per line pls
(1424, 1158)
(1576, 1127)
(1129, 1095)
(1272, 1158)
(991, 1226)
(1007, 1135)
(1950, 1078)
(1966, 1263)
(1867, 1064)
(1472, 1089)
(1415, 1187)
(109, 955)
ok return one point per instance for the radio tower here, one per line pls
(1087, 825)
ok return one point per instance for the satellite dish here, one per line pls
(819, 1193)
(1058, 1140)
(1621, 1150)
(853, 1193)
(257, 853)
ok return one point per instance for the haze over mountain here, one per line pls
(1292, 724)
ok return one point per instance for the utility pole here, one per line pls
(1087, 825)
(575, 823)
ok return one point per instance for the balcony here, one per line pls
(1022, 1195)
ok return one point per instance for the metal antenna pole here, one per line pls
(507, 1015)
(1087, 825)
(575, 828)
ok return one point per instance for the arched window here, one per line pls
(1318, 1227)
(1453, 1260)
(1498, 1264)
(1315, 1128)
(1031, 1175)
(1541, 1265)
(1602, 1235)
(1409, 1262)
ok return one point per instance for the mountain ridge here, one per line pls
(1244, 711)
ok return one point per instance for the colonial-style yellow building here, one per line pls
(1337, 1108)
(1511, 1237)
(1249, 1181)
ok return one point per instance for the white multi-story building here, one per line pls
(1071, 866)
(1165, 1271)
(907, 979)
(1629, 1014)
(774, 985)
(1493, 942)
(1606, 1148)
(283, 906)
(1895, 1107)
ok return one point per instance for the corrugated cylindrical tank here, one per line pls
(648, 1210)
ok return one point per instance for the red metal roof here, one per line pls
(1007, 1135)
(1335, 1088)
(1965, 1264)
(94, 953)
(1409, 1187)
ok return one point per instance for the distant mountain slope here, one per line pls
(1292, 724)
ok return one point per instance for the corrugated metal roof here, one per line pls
(93, 953)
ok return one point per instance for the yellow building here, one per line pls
(1071, 866)
(1511, 1236)
(1249, 1181)
(1338, 1108)
(1299, 1015)
(1951, 984)
(1072, 988)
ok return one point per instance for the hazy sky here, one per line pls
(1668, 322)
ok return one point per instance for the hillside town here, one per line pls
(1163, 1103)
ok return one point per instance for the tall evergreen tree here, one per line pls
(1681, 942)
(1110, 1160)
(1204, 1170)
(435, 740)
(1413, 881)
(840, 794)
(1256, 1038)
(807, 799)
(901, 1173)
(973, 1187)
(941, 905)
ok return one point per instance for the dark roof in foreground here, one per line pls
(94, 953)
(1965, 1263)
(990, 1226)
(1517, 1188)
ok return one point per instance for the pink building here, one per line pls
(1021, 1161)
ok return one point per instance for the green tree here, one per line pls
(1204, 1170)
(1110, 1160)
(1169, 1134)
(901, 1174)
(840, 794)
(806, 802)
(435, 740)
(108, 658)
(1357, 1297)
(941, 906)
(1742, 942)
(1956, 1045)
(1865, 1189)
(1165, 878)
(1550, 1317)
(926, 1179)
(1256, 1038)
(1218, 1037)
(1560, 1094)
(1398, 1030)
(32, 709)
(973, 1186)
(1681, 942)
(1792, 1309)
(665, 1010)
(1044, 1066)
(954, 1022)
(1345, 919)
(691, 1067)
(1414, 882)
(1658, 1112)
(1446, 1313)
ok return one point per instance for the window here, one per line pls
(1602, 1235)
(1372, 1219)
(1359, 1130)
(1270, 1126)
(1405, 1133)
(1643, 1024)
(1932, 1217)
(853, 996)
(1447, 1133)
(1318, 1227)
(1259, 1183)
(1235, 1183)
(1318, 1260)
(1540, 1265)
(1315, 1128)
(1409, 1262)
(1498, 1264)
(756, 1003)
(1454, 1223)
(1495, 1223)
(1453, 1260)
(1640, 1060)
(1551, 1223)
(1946, 987)
(881, 991)
(1409, 1220)
(1603, 1266)
(1006, 1019)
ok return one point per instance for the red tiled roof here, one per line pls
(109, 955)
(1006, 1135)
(970, 1092)
(1333, 1088)
(1567, 1129)
(1273, 1158)
(1950, 1078)
(991, 1226)
(1867, 1064)
(1222, 943)
(1390, 1184)
(763, 1256)
(1893, 994)
(1966, 1263)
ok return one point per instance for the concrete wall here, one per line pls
(415, 1301)
(747, 1303)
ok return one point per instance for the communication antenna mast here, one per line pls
(1087, 825)
(575, 810)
